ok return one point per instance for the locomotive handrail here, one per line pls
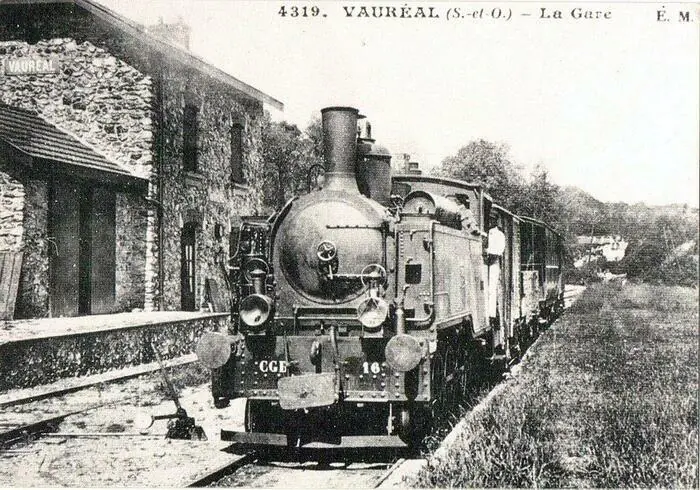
(319, 313)
(354, 227)
(426, 320)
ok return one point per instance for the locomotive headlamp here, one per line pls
(403, 352)
(213, 350)
(254, 310)
(372, 312)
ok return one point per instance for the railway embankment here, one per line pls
(606, 398)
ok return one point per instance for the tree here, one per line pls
(488, 164)
(656, 251)
(542, 200)
(288, 154)
(314, 132)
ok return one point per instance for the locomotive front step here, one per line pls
(262, 439)
(254, 439)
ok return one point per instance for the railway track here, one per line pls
(13, 433)
(69, 440)
(64, 387)
(222, 471)
(73, 450)
(247, 471)
(26, 432)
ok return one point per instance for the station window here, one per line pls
(189, 138)
(237, 154)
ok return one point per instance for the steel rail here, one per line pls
(24, 432)
(30, 395)
(15, 434)
(389, 472)
(222, 471)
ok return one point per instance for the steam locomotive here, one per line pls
(365, 305)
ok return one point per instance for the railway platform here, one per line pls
(42, 351)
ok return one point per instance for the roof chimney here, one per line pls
(177, 33)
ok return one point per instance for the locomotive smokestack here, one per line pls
(340, 147)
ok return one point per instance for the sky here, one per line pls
(608, 105)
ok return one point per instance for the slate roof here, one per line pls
(31, 135)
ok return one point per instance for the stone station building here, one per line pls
(125, 164)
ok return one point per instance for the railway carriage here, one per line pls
(365, 305)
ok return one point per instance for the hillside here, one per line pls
(663, 240)
(587, 213)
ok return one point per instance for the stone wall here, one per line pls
(33, 362)
(33, 294)
(95, 96)
(130, 280)
(207, 196)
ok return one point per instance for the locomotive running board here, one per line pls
(259, 439)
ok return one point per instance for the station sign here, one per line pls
(31, 65)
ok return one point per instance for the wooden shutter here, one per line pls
(65, 228)
(102, 251)
(10, 266)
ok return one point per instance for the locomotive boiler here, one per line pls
(360, 307)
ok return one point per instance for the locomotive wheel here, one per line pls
(437, 380)
(518, 343)
(525, 335)
(558, 308)
(464, 375)
(450, 377)
(465, 368)
(261, 416)
(417, 420)
(468, 371)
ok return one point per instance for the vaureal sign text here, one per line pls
(30, 66)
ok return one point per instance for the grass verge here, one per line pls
(607, 398)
